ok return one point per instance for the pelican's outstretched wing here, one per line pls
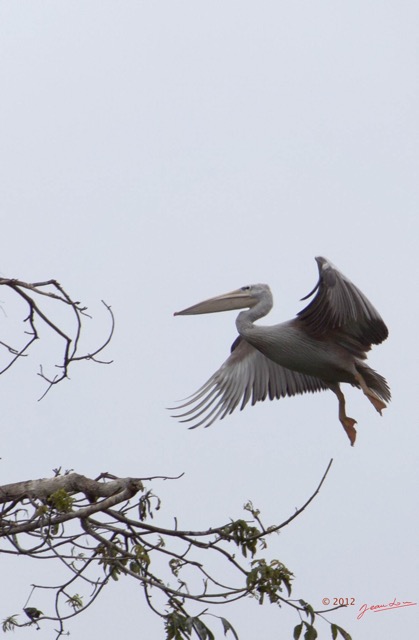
(340, 307)
(246, 375)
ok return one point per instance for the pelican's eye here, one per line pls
(245, 288)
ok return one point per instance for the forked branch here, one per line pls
(34, 295)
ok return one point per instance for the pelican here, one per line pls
(324, 345)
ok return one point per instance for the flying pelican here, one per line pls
(324, 345)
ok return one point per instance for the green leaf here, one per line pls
(345, 635)
(76, 602)
(175, 565)
(249, 507)
(334, 630)
(177, 626)
(61, 501)
(242, 535)
(311, 633)
(188, 625)
(297, 630)
(202, 630)
(228, 627)
(9, 623)
(268, 580)
(309, 611)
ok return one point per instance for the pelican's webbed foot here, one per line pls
(348, 425)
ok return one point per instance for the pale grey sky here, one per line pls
(155, 154)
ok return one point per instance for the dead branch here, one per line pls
(33, 294)
(72, 483)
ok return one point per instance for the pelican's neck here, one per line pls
(245, 319)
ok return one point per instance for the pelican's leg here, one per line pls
(347, 423)
(371, 395)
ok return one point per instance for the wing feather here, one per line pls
(340, 307)
(246, 375)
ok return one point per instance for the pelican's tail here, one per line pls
(374, 381)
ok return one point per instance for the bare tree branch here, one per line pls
(33, 294)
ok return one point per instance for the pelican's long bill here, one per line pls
(238, 299)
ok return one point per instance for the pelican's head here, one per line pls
(243, 298)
